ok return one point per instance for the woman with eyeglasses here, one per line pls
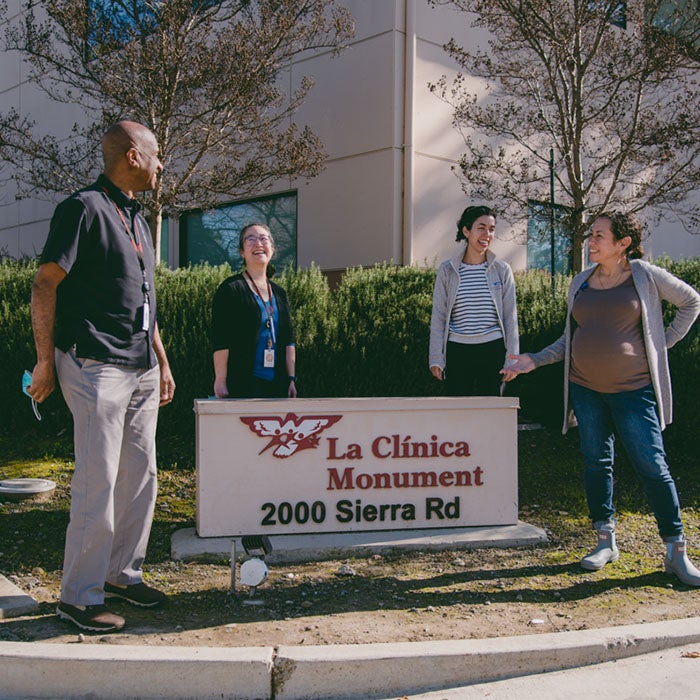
(252, 332)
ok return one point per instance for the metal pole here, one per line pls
(551, 215)
(232, 587)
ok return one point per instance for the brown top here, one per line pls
(607, 348)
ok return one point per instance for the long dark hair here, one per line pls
(469, 216)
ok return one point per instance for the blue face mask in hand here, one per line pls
(26, 383)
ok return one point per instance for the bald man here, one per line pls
(94, 320)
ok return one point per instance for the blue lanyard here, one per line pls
(269, 308)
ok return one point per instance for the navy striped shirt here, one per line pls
(474, 313)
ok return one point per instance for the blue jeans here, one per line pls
(633, 416)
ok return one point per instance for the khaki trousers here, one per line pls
(114, 485)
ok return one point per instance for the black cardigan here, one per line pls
(236, 320)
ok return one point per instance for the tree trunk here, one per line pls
(579, 228)
(155, 221)
(577, 261)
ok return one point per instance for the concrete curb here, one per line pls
(366, 671)
(38, 670)
(341, 672)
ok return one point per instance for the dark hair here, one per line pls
(247, 227)
(469, 216)
(623, 225)
(241, 236)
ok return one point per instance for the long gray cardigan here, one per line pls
(502, 287)
(652, 284)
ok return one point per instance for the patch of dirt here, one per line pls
(402, 598)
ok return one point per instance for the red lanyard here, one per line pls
(134, 236)
(135, 239)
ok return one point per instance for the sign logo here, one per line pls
(291, 433)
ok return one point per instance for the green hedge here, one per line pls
(368, 337)
(16, 343)
(380, 338)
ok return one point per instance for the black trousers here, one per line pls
(253, 387)
(473, 370)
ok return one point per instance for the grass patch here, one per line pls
(550, 493)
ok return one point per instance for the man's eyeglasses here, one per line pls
(257, 239)
(26, 383)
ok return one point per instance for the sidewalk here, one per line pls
(672, 673)
(381, 671)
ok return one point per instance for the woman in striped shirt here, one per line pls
(474, 324)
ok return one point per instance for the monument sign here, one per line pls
(268, 466)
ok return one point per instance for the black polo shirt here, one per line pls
(100, 302)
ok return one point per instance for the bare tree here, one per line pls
(204, 76)
(610, 86)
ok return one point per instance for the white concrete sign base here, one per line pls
(186, 545)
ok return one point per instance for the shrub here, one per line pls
(17, 349)
(368, 337)
(381, 335)
(684, 361)
(541, 318)
(314, 320)
(184, 317)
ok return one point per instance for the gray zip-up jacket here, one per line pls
(502, 287)
(652, 284)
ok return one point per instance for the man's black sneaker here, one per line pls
(136, 594)
(95, 618)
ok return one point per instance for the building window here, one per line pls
(115, 24)
(111, 25)
(617, 10)
(681, 20)
(211, 236)
(539, 237)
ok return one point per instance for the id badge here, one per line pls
(146, 317)
(269, 358)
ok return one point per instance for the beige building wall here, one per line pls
(388, 192)
(351, 214)
(22, 222)
(438, 199)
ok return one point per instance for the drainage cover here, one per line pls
(21, 489)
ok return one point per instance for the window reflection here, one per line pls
(211, 236)
(539, 235)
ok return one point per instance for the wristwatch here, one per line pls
(292, 378)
